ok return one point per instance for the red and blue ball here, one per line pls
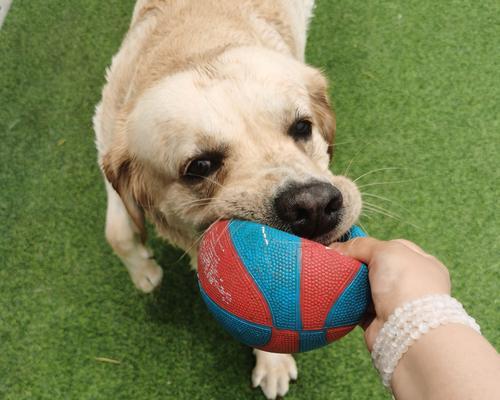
(278, 292)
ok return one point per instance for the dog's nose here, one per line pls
(310, 209)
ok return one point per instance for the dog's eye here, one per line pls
(202, 167)
(301, 129)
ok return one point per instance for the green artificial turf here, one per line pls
(416, 89)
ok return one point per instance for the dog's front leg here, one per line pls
(273, 372)
(144, 271)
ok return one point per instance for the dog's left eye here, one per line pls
(202, 167)
(301, 129)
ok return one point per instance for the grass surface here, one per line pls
(415, 86)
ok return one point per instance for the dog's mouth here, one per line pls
(314, 210)
(328, 238)
(334, 235)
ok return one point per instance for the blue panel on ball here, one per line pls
(273, 259)
(311, 340)
(354, 232)
(352, 303)
(246, 332)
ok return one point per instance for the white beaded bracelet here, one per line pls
(408, 323)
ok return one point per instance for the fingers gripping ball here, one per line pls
(277, 292)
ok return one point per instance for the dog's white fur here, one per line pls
(194, 76)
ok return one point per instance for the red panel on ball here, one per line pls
(282, 341)
(333, 334)
(225, 279)
(324, 276)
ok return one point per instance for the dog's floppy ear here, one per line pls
(323, 115)
(121, 170)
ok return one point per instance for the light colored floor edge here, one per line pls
(4, 9)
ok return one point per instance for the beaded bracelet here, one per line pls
(408, 323)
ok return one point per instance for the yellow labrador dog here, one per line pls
(209, 112)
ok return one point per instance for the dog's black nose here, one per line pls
(310, 209)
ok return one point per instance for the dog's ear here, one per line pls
(122, 171)
(323, 115)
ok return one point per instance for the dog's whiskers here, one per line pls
(342, 143)
(369, 207)
(197, 240)
(205, 202)
(213, 181)
(206, 199)
(376, 170)
(362, 148)
(221, 234)
(375, 206)
(388, 182)
(365, 194)
(363, 227)
(366, 215)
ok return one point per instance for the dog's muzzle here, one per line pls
(311, 209)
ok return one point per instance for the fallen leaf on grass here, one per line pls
(107, 360)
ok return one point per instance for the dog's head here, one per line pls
(248, 135)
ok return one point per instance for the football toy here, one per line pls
(277, 292)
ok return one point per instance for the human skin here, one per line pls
(449, 362)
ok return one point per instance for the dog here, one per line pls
(209, 112)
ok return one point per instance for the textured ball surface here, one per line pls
(277, 292)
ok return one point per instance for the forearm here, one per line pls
(449, 362)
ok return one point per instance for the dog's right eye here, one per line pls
(202, 167)
(301, 129)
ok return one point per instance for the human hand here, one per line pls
(399, 272)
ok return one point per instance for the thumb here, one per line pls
(361, 248)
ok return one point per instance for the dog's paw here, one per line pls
(148, 276)
(273, 373)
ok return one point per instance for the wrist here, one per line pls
(452, 361)
(408, 323)
(395, 302)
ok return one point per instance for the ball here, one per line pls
(278, 292)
